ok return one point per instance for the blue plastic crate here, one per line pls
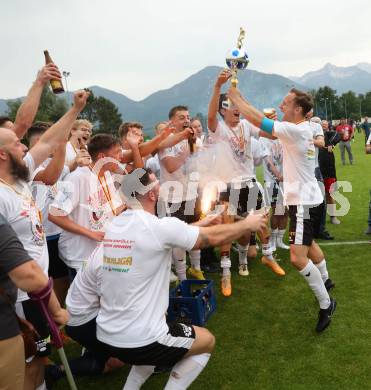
(192, 302)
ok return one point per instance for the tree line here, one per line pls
(100, 111)
(328, 104)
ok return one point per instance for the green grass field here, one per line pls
(265, 331)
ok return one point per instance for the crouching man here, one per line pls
(137, 254)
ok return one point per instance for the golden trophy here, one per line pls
(237, 58)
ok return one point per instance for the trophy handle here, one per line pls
(241, 37)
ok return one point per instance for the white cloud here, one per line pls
(138, 47)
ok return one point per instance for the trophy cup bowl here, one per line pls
(237, 59)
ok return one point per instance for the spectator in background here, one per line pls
(328, 169)
(366, 128)
(319, 212)
(346, 132)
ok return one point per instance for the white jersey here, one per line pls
(180, 177)
(83, 200)
(19, 209)
(153, 163)
(44, 196)
(241, 150)
(70, 153)
(135, 277)
(259, 153)
(273, 151)
(316, 131)
(299, 182)
(83, 296)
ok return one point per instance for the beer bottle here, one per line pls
(56, 84)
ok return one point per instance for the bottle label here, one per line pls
(56, 84)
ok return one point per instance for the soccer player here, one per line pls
(80, 135)
(18, 208)
(272, 165)
(83, 210)
(179, 196)
(301, 190)
(137, 254)
(237, 134)
(47, 180)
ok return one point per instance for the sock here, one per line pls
(195, 257)
(313, 277)
(323, 270)
(225, 263)
(42, 386)
(273, 237)
(179, 256)
(137, 376)
(331, 209)
(242, 253)
(280, 234)
(186, 371)
(267, 251)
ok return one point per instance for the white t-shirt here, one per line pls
(19, 209)
(242, 155)
(135, 276)
(299, 182)
(29, 161)
(317, 131)
(258, 153)
(84, 201)
(70, 153)
(153, 163)
(273, 150)
(180, 177)
(83, 296)
(44, 196)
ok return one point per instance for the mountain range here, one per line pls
(262, 90)
(355, 78)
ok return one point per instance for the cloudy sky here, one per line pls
(138, 47)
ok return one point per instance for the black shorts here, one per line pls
(301, 225)
(252, 238)
(241, 200)
(273, 194)
(33, 314)
(86, 335)
(57, 267)
(188, 212)
(165, 352)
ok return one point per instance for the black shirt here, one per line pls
(12, 255)
(326, 159)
